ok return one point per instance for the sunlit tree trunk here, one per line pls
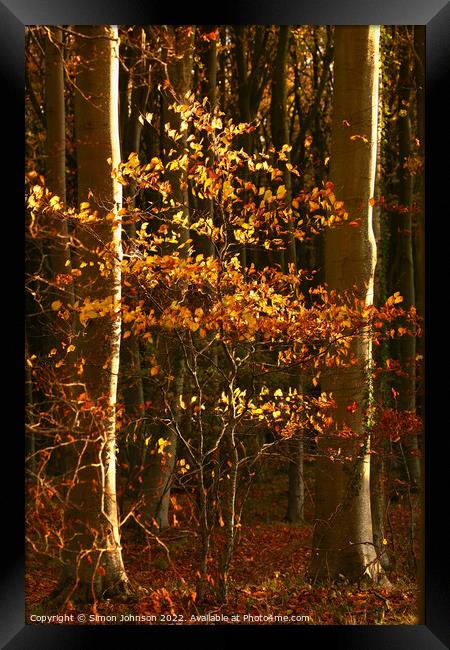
(94, 567)
(377, 460)
(343, 538)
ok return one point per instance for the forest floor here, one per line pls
(267, 577)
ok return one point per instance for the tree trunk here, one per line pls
(130, 361)
(160, 462)
(56, 143)
(403, 264)
(202, 243)
(377, 460)
(280, 137)
(94, 567)
(343, 538)
(159, 468)
(56, 245)
(55, 165)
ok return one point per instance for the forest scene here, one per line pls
(224, 327)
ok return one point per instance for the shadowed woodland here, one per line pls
(224, 323)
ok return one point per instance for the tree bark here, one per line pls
(94, 566)
(343, 538)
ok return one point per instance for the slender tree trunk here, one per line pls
(56, 142)
(55, 163)
(130, 360)
(94, 567)
(245, 111)
(202, 243)
(157, 477)
(159, 468)
(280, 137)
(403, 264)
(57, 242)
(343, 537)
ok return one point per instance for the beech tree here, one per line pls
(343, 539)
(93, 565)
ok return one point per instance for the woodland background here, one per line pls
(224, 336)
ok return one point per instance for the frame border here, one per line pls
(435, 14)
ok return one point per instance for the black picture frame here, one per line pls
(15, 634)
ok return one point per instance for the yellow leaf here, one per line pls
(281, 192)
(276, 414)
(154, 371)
(162, 444)
(71, 348)
(56, 304)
